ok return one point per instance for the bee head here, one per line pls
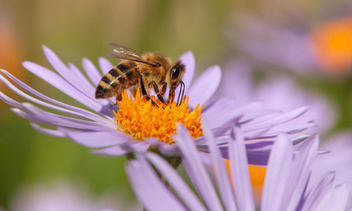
(175, 74)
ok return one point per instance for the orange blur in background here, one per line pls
(332, 44)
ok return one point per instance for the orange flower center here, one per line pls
(139, 118)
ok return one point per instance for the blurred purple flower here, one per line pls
(324, 48)
(95, 128)
(267, 44)
(285, 186)
(276, 92)
(65, 196)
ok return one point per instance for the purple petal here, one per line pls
(112, 151)
(10, 101)
(196, 169)
(339, 157)
(57, 64)
(24, 95)
(73, 77)
(258, 158)
(46, 131)
(56, 81)
(97, 139)
(85, 85)
(189, 61)
(240, 172)
(222, 179)
(169, 150)
(105, 65)
(302, 164)
(39, 115)
(133, 146)
(223, 118)
(265, 143)
(149, 189)
(204, 87)
(175, 181)
(92, 72)
(317, 193)
(23, 114)
(221, 105)
(280, 119)
(278, 170)
(290, 128)
(336, 199)
(29, 89)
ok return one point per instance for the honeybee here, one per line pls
(148, 71)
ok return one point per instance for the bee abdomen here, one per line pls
(115, 81)
(129, 72)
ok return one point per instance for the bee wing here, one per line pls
(124, 50)
(129, 57)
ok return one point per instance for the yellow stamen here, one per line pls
(141, 119)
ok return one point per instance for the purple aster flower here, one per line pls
(324, 48)
(282, 93)
(98, 124)
(285, 186)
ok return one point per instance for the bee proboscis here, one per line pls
(148, 71)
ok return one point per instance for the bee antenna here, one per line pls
(182, 88)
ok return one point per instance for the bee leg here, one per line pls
(144, 92)
(158, 93)
(163, 89)
(182, 88)
(171, 96)
(119, 97)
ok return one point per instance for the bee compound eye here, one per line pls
(175, 72)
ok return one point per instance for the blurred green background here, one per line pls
(75, 29)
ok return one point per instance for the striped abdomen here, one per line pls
(119, 78)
